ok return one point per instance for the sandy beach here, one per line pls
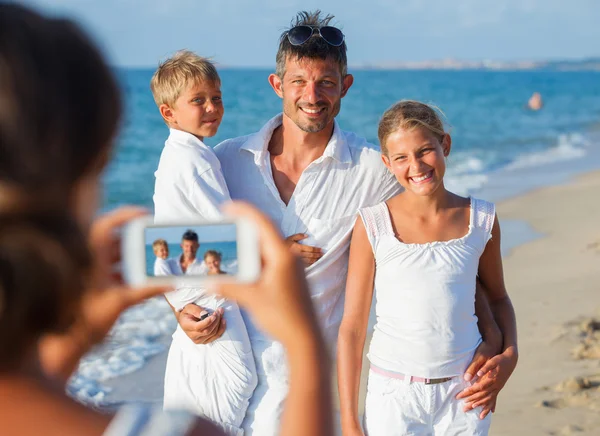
(554, 282)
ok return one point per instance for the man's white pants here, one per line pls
(263, 417)
(214, 380)
(399, 407)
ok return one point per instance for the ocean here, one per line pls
(499, 149)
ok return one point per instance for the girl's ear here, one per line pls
(446, 144)
(386, 161)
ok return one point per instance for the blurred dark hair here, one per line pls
(190, 235)
(315, 48)
(59, 111)
(59, 105)
(44, 266)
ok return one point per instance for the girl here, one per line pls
(422, 250)
(59, 112)
(212, 259)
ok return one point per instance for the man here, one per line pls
(310, 178)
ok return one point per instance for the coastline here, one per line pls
(552, 271)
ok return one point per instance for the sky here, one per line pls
(244, 33)
(206, 233)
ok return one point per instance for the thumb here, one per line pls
(477, 362)
(240, 293)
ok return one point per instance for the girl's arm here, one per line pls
(494, 374)
(353, 330)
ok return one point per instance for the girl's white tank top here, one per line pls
(425, 296)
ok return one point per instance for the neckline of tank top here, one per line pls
(453, 241)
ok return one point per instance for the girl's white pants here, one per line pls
(399, 407)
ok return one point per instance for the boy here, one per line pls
(214, 380)
(162, 266)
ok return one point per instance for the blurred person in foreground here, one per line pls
(59, 112)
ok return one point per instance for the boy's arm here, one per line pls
(209, 191)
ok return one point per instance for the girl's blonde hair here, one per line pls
(409, 115)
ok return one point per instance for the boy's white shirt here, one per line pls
(189, 181)
(190, 187)
(163, 267)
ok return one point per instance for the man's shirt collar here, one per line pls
(258, 144)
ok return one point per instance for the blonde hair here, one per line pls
(410, 115)
(214, 253)
(160, 242)
(175, 74)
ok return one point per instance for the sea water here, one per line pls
(499, 149)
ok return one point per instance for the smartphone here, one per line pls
(186, 253)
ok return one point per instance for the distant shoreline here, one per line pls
(564, 65)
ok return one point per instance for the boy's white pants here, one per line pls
(398, 407)
(213, 380)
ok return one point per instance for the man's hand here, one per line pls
(308, 254)
(205, 331)
(491, 379)
(483, 354)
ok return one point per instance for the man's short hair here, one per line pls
(190, 235)
(315, 48)
(175, 74)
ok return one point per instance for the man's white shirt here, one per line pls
(189, 182)
(348, 176)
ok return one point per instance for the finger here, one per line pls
(486, 409)
(476, 387)
(305, 255)
(482, 402)
(193, 310)
(271, 243)
(309, 249)
(219, 332)
(297, 237)
(488, 366)
(240, 293)
(477, 362)
(204, 327)
(477, 396)
(133, 296)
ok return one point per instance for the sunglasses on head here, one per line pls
(300, 34)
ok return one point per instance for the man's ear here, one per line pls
(347, 83)
(276, 83)
(446, 144)
(167, 113)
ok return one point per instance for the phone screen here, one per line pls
(195, 250)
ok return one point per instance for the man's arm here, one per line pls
(490, 332)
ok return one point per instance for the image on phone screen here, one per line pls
(196, 250)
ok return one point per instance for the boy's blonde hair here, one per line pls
(160, 242)
(409, 115)
(175, 74)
